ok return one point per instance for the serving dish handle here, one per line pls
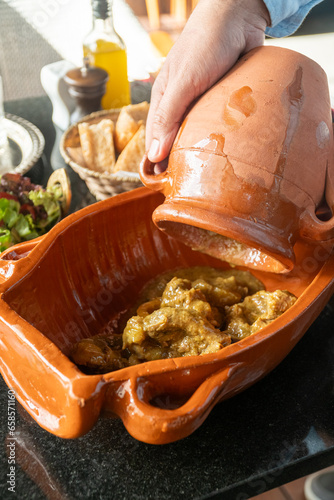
(137, 401)
(15, 258)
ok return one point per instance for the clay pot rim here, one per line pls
(198, 217)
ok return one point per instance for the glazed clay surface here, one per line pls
(81, 276)
(253, 161)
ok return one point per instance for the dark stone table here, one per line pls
(280, 429)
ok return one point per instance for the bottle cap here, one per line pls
(101, 9)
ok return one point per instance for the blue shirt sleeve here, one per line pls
(287, 15)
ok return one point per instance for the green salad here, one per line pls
(27, 210)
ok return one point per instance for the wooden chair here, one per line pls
(179, 9)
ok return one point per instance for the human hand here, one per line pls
(216, 34)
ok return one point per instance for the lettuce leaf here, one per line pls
(5, 239)
(49, 200)
(11, 213)
(16, 227)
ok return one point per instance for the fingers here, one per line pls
(167, 117)
(181, 80)
(156, 95)
(191, 67)
(197, 60)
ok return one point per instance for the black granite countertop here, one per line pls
(278, 430)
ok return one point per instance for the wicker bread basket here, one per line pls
(101, 185)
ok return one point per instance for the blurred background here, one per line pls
(39, 32)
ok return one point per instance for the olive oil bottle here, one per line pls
(104, 48)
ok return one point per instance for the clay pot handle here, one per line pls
(312, 227)
(153, 181)
(154, 425)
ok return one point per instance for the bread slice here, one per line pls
(130, 119)
(132, 154)
(97, 145)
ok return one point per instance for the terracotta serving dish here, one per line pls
(252, 162)
(81, 276)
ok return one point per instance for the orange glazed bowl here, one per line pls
(84, 274)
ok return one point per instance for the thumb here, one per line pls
(166, 116)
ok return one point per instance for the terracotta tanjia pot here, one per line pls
(252, 163)
(81, 276)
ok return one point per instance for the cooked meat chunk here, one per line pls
(172, 332)
(220, 286)
(183, 325)
(256, 311)
(148, 307)
(100, 354)
(187, 312)
(180, 294)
